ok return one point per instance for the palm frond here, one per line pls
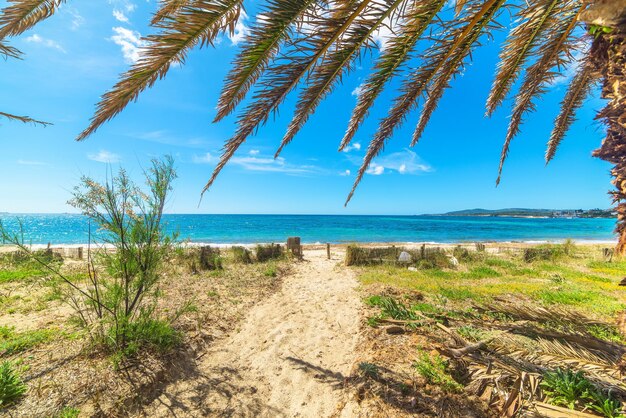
(9, 52)
(22, 15)
(337, 63)
(387, 65)
(266, 36)
(168, 8)
(556, 52)
(281, 79)
(578, 90)
(454, 66)
(535, 20)
(197, 24)
(437, 57)
(23, 119)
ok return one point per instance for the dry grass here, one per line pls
(517, 316)
(64, 373)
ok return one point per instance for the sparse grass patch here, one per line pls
(458, 293)
(68, 412)
(606, 333)
(434, 369)
(12, 342)
(368, 370)
(19, 274)
(271, 270)
(481, 272)
(11, 385)
(241, 255)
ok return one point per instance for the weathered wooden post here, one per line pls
(79, 253)
(293, 246)
(328, 250)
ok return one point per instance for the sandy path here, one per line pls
(289, 357)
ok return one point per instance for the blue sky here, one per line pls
(74, 57)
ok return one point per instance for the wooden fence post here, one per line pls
(328, 250)
(293, 245)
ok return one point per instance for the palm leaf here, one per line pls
(168, 8)
(455, 65)
(22, 15)
(437, 57)
(260, 47)
(396, 53)
(578, 90)
(338, 62)
(535, 20)
(556, 52)
(9, 52)
(281, 79)
(195, 24)
(23, 119)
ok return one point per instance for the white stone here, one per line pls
(405, 257)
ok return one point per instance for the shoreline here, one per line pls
(312, 245)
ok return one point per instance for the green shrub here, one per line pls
(391, 308)
(210, 258)
(574, 391)
(117, 305)
(434, 369)
(268, 252)
(271, 270)
(368, 370)
(241, 255)
(147, 332)
(11, 385)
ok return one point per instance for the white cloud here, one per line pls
(262, 163)
(385, 33)
(404, 162)
(30, 162)
(48, 43)
(354, 146)
(207, 158)
(119, 15)
(77, 20)
(254, 152)
(104, 156)
(375, 169)
(241, 30)
(130, 41)
(345, 173)
(357, 90)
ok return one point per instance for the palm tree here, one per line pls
(10, 52)
(308, 45)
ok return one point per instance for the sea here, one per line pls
(249, 229)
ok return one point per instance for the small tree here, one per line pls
(118, 305)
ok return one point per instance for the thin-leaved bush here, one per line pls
(118, 305)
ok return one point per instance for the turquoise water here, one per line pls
(73, 229)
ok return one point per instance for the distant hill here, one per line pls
(535, 213)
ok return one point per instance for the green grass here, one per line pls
(68, 412)
(434, 369)
(271, 270)
(20, 274)
(573, 279)
(12, 342)
(11, 385)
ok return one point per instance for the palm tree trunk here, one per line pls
(609, 57)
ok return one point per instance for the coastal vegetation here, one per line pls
(429, 45)
(519, 332)
(54, 363)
